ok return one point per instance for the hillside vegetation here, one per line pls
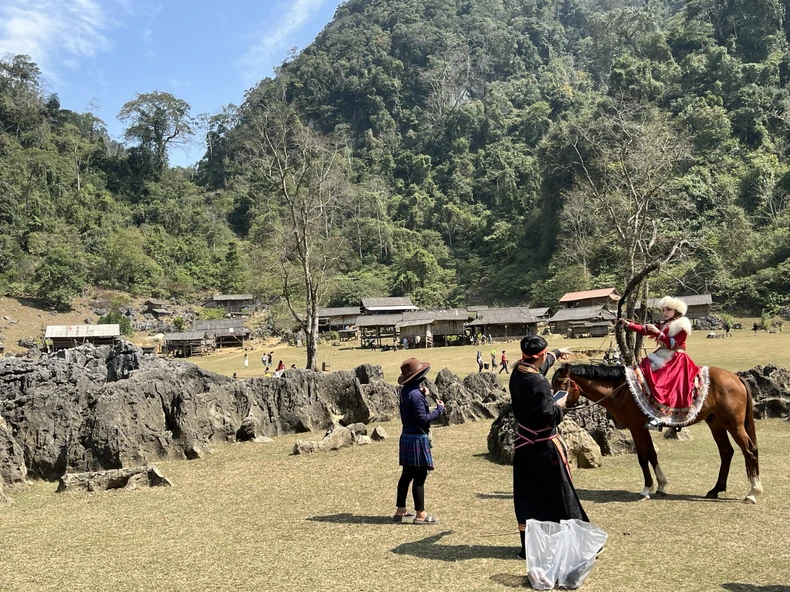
(458, 151)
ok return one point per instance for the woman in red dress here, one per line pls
(668, 375)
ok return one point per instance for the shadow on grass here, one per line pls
(352, 519)
(511, 581)
(733, 587)
(495, 495)
(605, 496)
(431, 548)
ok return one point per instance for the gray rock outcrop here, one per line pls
(336, 437)
(67, 415)
(503, 433)
(12, 460)
(477, 397)
(128, 479)
(770, 388)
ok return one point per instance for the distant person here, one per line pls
(755, 328)
(490, 339)
(479, 362)
(280, 366)
(415, 444)
(267, 371)
(405, 342)
(234, 376)
(264, 357)
(293, 366)
(504, 364)
(269, 361)
(246, 361)
(493, 359)
(727, 329)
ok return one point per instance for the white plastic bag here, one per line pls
(561, 553)
(584, 541)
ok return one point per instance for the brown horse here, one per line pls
(727, 408)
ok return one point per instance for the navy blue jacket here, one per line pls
(414, 410)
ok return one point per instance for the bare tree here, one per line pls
(303, 184)
(628, 159)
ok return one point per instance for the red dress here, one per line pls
(669, 373)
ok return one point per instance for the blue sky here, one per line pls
(207, 53)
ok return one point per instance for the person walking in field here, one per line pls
(493, 359)
(246, 361)
(504, 364)
(479, 362)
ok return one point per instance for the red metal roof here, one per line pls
(600, 293)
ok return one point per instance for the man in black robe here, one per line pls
(542, 487)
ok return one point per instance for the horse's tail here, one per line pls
(748, 422)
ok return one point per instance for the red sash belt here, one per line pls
(531, 439)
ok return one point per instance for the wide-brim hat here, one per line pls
(412, 369)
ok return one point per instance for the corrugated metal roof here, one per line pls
(79, 331)
(414, 323)
(186, 336)
(223, 297)
(584, 295)
(539, 312)
(582, 313)
(453, 314)
(155, 302)
(385, 320)
(693, 300)
(503, 316)
(389, 303)
(338, 311)
(220, 326)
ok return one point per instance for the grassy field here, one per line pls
(742, 351)
(251, 517)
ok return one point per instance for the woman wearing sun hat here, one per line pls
(415, 446)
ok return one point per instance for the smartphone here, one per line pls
(560, 395)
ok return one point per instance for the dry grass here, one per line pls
(251, 517)
(744, 350)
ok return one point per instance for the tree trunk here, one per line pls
(312, 336)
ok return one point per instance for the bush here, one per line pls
(59, 278)
(211, 314)
(179, 323)
(114, 317)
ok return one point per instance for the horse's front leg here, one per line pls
(725, 454)
(652, 456)
(641, 436)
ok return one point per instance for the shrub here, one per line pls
(114, 317)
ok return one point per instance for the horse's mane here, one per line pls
(600, 372)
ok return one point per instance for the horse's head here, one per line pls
(562, 381)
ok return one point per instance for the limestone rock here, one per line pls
(90, 408)
(336, 437)
(379, 434)
(130, 478)
(362, 440)
(681, 436)
(357, 430)
(770, 388)
(479, 400)
(12, 460)
(583, 451)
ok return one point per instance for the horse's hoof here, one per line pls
(644, 498)
(712, 494)
(750, 499)
(660, 493)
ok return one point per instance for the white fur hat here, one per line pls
(673, 303)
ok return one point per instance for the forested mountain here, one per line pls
(459, 151)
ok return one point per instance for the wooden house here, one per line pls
(589, 329)
(505, 323)
(433, 327)
(699, 305)
(66, 336)
(387, 306)
(542, 315)
(233, 304)
(226, 332)
(188, 343)
(602, 297)
(338, 319)
(379, 327)
(564, 320)
(158, 308)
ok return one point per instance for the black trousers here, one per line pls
(418, 476)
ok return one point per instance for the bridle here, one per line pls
(568, 381)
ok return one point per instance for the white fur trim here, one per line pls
(674, 304)
(678, 325)
(660, 357)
